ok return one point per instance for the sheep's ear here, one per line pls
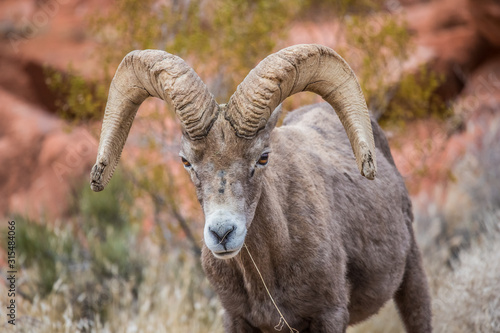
(273, 120)
(265, 133)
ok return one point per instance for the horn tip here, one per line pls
(368, 167)
(96, 187)
(369, 172)
(96, 177)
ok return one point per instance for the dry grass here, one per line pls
(464, 299)
(468, 299)
(173, 297)
(386, 321)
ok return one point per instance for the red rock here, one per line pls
(430, 147)
(41, 160)
(446, 28)
(481, 94)
(430, 17)
(486, 19)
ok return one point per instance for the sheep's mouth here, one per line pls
(226, 254)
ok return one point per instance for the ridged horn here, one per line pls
(150, 73)
(306, 67)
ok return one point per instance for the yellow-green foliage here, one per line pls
(38, 247)
(109, 229)
(221, 38)
(344, 7)
(378, 45)
(109, 208)
(224, 39)
(77, 97)
(415, 97)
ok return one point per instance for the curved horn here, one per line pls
(150, 73)
(306, 67)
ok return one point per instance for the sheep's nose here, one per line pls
(222, 234)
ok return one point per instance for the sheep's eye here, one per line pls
(264, 158)
(185, 162)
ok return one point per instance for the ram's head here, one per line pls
(226, 148)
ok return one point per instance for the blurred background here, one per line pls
(127, 259)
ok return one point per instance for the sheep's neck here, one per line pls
(268, 241)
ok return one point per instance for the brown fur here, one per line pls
(332, 246)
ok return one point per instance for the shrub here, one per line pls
(89, 261)
(415, 97)
(45, 253)
(77, 97)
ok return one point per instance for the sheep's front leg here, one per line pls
(238, 325)
(333, 321)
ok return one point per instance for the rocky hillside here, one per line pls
(42, 157)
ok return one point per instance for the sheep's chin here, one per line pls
(226, 255)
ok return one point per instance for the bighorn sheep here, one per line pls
(332, 246)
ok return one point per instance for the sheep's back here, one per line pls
(370, 220)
